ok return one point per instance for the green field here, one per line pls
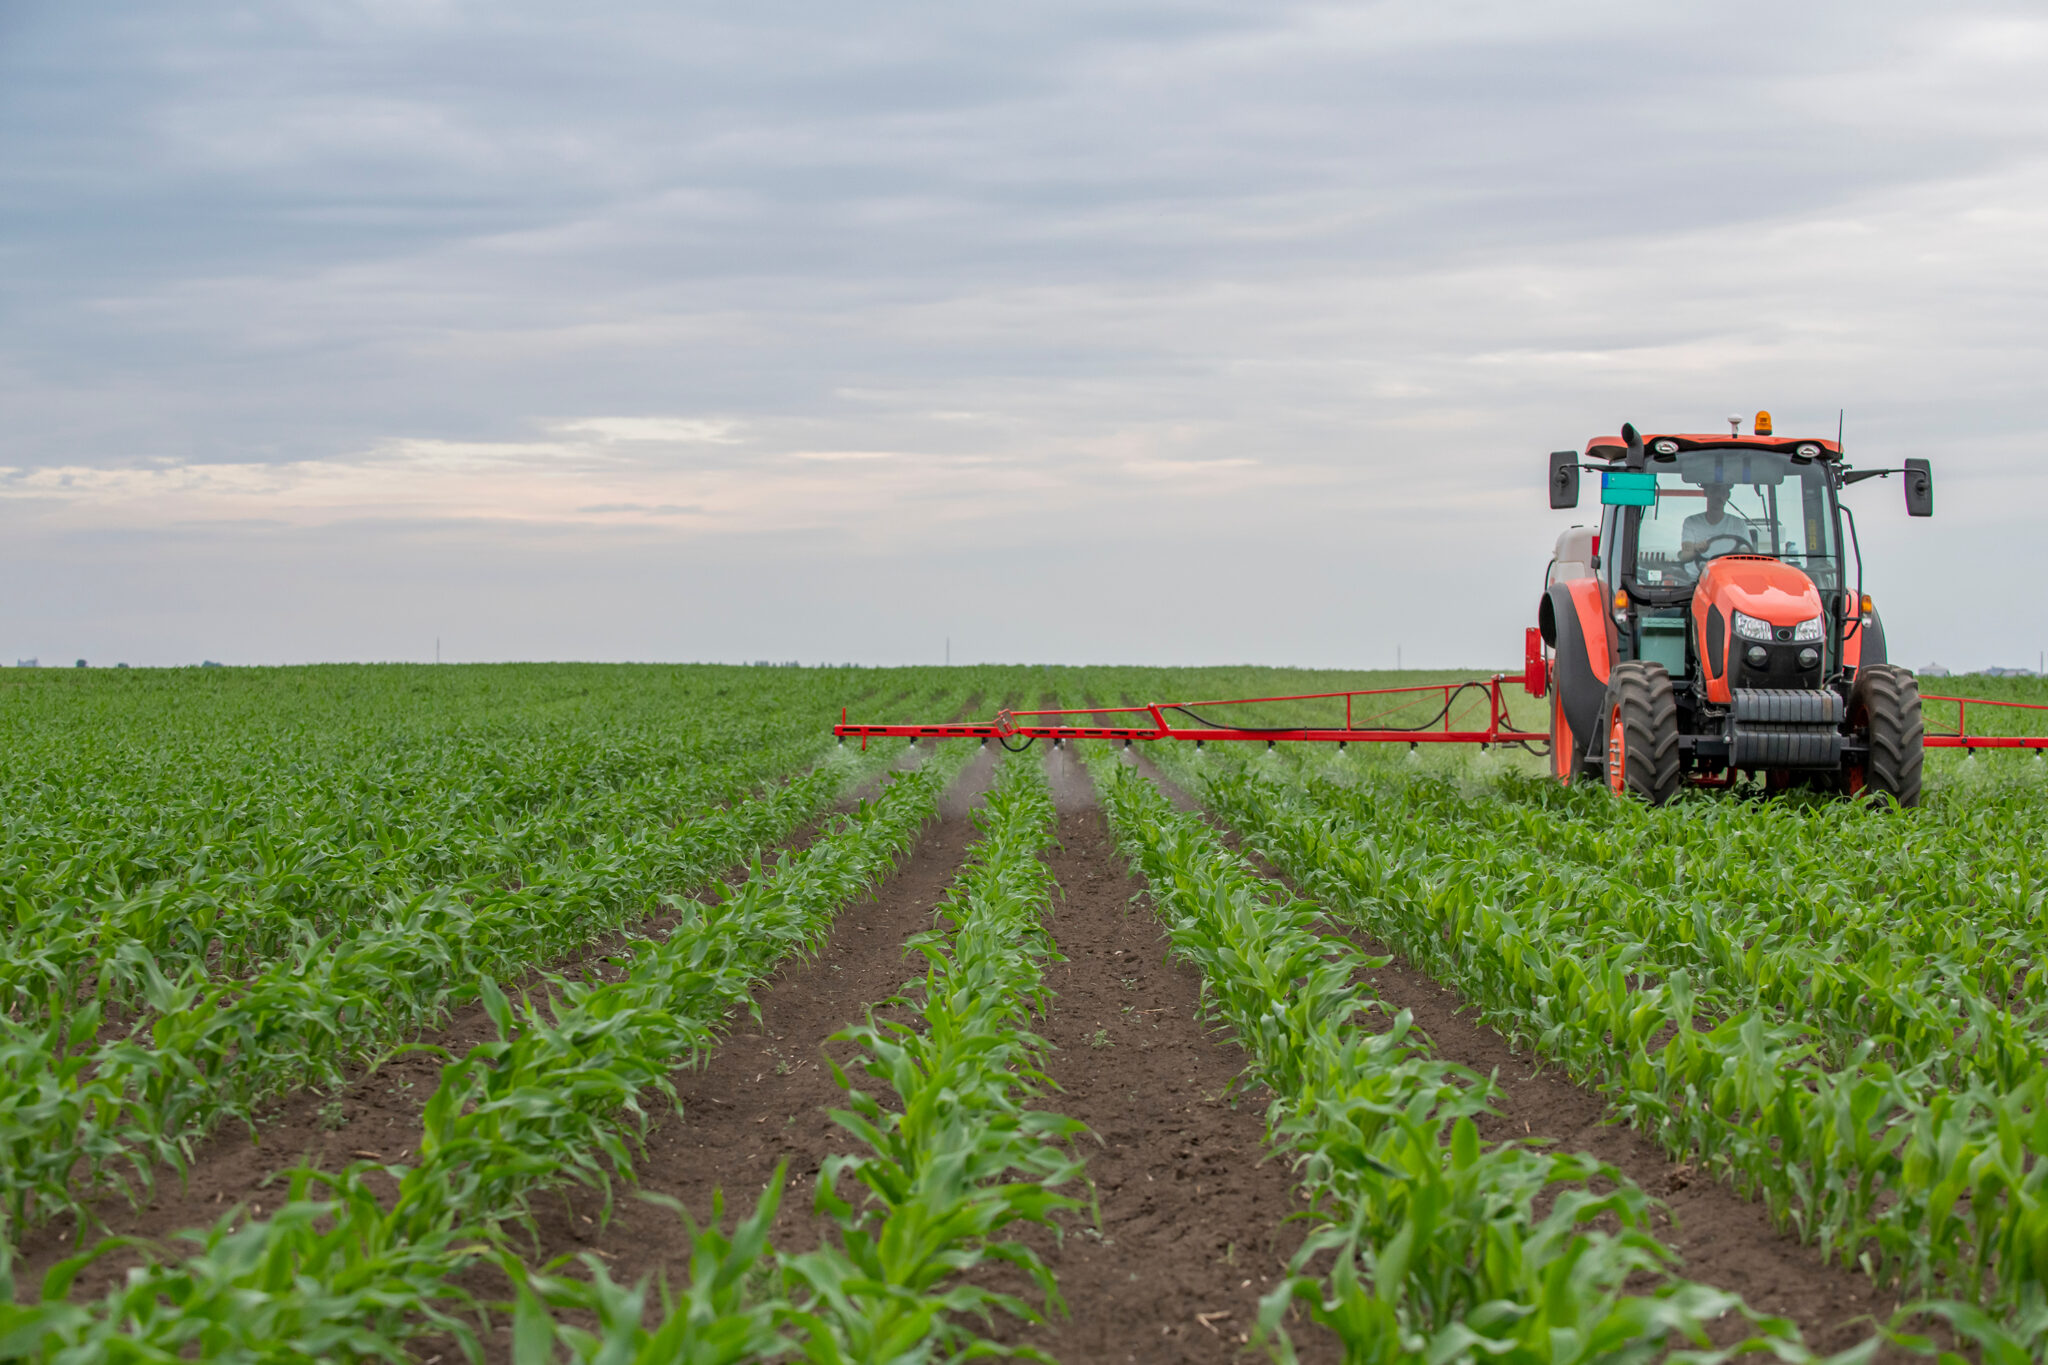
(224, 886)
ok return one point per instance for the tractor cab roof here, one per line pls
(1614, 448)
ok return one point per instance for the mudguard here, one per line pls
(1865, 644)
(1584, 643)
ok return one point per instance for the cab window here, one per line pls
(1712, 503)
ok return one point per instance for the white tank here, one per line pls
(1573, 557)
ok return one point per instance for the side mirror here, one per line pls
(1564, 478)
(1919, 489)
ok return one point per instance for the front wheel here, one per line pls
(1884, 712)
(1641, 719)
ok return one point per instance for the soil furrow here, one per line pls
(1194, 1204)
(376, 1114)
(764, 1095)
(1725, 1239)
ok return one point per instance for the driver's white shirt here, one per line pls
(1697, 530)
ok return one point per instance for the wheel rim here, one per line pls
(1617, 752)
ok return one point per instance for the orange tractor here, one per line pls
(1712, 626)
(1714, 622)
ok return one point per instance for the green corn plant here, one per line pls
(732, 1308)
(550, 1101)
(322, 1278)
(960, 1155)
(218, 883)
(1920, 1182)
(545, 1096)
(1776, 922)
(954, 1161)
(1441, 1250)
(75, 1121)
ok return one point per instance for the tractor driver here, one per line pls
(1708, 534)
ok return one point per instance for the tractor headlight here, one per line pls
(1749, 628)
(1807, 630)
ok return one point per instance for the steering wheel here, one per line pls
(1706, 551)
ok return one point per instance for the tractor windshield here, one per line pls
(1720, 502)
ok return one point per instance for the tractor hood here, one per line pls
(1767, 590)
(1760, 586)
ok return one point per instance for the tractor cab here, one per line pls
(1773, 515)
(1720, 578)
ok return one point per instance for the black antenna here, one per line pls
(1841, 416)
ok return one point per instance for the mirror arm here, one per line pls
(1850, 476)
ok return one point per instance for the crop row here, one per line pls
(359, 915)
(1879, 1160)
(1442, 1246)
(146, 865)
(344, 1272)
(952, 1155)
(127, 848)
(112, 892)
(78, 1115)
(1833, 915)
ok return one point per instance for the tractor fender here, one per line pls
(1866, 644)
(1575, 624)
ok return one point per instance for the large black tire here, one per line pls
(1884, 712)
(1640, 722)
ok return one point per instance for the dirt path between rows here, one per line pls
(1194, 1205)
(762, 1096)
(376, 1115)
(1725, 1239)
(1193, 1222)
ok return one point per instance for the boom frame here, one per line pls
(1011, 725)
(1961, 738)
(1030, 725)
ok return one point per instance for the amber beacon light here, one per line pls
(1763, 424)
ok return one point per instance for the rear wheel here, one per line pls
(1641, 719)
(1884, 712)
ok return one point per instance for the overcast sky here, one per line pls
(1082, 332)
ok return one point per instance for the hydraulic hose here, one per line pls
(1431, 723)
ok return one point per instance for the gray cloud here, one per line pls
(1276, 304)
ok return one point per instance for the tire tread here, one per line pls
(1649, 711)
(1884, 703)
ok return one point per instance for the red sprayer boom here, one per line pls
(1705, 629)
(1371, 716)
(1381, 715)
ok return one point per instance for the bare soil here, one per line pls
(1725, 1239)
(763, 1098)
(1195, 1207)
(1193, 1216)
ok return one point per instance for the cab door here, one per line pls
(1613, 570)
